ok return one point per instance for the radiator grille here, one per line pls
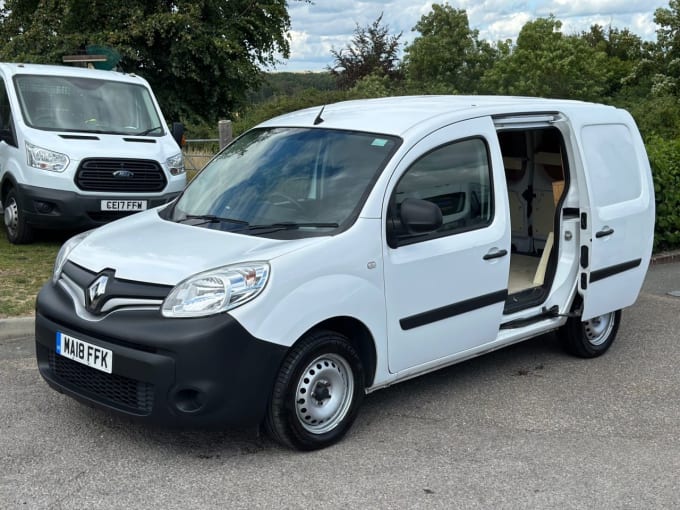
(107, 388)
(120, 175)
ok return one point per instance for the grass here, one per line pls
(23, 270)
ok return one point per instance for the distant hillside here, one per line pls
(291, 84)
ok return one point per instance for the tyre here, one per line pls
(591, 338)
(317, 392)
(18, 231)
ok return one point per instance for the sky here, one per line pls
(318, 27)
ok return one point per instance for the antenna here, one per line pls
(318, 119)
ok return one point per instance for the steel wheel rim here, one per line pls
(597, 329)
(324, 393)
(12, 217)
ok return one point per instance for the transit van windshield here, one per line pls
(86, 105)
(308, 180)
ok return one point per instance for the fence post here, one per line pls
(224, 130)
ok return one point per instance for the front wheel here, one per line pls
(591, 338)
(317, 393)
(18, 231)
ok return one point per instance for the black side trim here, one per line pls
(601, 274)
(438, 314)
(546, 313)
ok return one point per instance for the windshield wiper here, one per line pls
(147, 131)
(291, 225)
(211, 218)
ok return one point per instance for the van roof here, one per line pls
(397, 115)
(12, 69)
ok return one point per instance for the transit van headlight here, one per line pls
(176, 164)
(45, 159)
(65, 251)
(216, 291)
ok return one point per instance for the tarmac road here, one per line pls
(525, 427)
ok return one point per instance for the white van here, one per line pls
(80, 147)
(332, 252)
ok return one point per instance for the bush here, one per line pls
(664, 157)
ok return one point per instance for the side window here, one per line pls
(6, 129)
(457, 178)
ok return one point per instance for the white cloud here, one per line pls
(327, 24)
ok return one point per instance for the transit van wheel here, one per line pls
(317, 393)
(591, 338)
(18, 231)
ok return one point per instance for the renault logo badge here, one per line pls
(96, 292)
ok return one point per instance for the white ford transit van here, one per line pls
(80, 147)
(332, 252)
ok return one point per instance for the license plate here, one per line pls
(123, 205)
(84, 352)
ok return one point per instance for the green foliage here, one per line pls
(372, 51)
(546, 63)
(200, 56)
(664, 157)
(447, 56)
(290, 84)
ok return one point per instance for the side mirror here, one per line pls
(178, 133)
(420, 216)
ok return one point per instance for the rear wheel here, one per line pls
(18, 231)
(317, 393)
(591, 338)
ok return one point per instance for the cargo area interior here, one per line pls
(535, 175)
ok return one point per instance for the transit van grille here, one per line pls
(120, 175)
(107, 388)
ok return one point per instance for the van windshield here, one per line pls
(291, 182)
(67, 103)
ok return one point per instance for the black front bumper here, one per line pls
(57, 209)
(177, 372)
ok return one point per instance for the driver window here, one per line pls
(6, 131)
(455, 177)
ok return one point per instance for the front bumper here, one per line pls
(58, 209)
(177, 372)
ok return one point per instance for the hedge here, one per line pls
(664, 157)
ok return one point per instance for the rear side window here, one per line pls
(457, 178)
(612, 163)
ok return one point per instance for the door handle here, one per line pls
(495, 254)
(606, 231)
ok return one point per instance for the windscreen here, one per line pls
(65, 103)
(307, 179)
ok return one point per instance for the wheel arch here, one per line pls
(359, 336)
(7, 183)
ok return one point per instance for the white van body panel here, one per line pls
(79, 149)
(147, 256)
(617, 235)
(322, 281)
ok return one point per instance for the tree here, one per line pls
(372, 51)
(545, 62)
(624, 50)
(200, 56)
(447, 56)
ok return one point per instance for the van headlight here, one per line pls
(176, 164)
(216, 291)
(65, 251)
(45, 159)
